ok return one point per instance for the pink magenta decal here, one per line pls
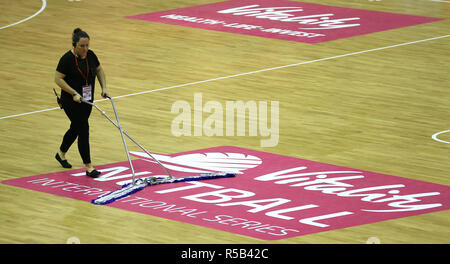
(285, 20)
(272, 197)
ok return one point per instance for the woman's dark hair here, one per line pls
(77, 34)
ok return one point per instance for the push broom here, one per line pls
(139, 184)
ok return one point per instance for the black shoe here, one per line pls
(93, 174)
(63, 163)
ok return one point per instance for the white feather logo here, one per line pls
(204, 162)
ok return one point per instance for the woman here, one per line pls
(75, 74)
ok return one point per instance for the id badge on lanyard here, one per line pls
(87, 92)
(87, 88)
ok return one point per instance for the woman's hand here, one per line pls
(105, 93)
(77, 98)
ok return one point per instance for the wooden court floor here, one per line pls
(375, 110)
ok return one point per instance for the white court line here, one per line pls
(44, 4)
(440, 140)
(245, 73)
(442, 1)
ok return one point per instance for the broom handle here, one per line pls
(132, 139)
(119, 126)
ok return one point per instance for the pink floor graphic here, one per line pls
(285, 20)
(272, 197)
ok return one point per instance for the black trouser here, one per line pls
(79, 127)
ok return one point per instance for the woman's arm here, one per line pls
(59, 80)
(102, 81)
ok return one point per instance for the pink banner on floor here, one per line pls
(272, 196)
(285, 20)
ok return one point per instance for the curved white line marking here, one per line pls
(44, 4)
(440, 140)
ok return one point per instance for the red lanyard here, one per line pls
(87, 71)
